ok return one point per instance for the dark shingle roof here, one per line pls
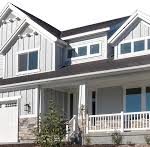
(113, 24)
(101, 65)
(42, 23)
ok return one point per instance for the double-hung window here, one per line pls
(28, 61)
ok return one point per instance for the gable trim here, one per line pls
(127, 24)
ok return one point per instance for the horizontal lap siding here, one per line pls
(28, 96)
(35, 41)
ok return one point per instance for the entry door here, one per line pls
(8, 122)
(71, 97)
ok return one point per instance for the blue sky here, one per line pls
(66, 14)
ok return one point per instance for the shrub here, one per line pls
(147, 139)
(116, 138)
(51, 128)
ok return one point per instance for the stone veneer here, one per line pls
(26, 128)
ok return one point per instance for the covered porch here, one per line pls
(119, 102)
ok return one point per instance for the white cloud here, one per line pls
(66, 14)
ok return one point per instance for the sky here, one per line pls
(67, 14)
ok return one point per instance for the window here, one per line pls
(125, 48)
(82, 51)
(148, 43)
(71, 53)
(133, 100)
(139, 45)
(28, 61)
(147, 98)
(94, 49)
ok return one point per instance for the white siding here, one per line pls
(28, 96)
(26, 43)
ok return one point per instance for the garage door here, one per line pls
(8, 121)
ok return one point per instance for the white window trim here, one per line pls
(28, 71)
(88, 55)
(146, 51)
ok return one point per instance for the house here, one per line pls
(104, 67)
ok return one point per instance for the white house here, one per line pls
(104, 67)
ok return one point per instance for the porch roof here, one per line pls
(89, 67)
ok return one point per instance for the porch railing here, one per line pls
(71, 127)
(119, 121)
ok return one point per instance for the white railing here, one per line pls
(71, 127)
(119, 121)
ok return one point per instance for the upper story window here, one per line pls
(135, 47)
(84, 51)
(27, 60)
(94, 48)
(125, 48)
(139, 46)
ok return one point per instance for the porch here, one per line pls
(111, 103)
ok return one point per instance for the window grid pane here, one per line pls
(22, 62)
(125, 48)
(148, 43)
(139, 46)
(133, 100)
(82, 51)
(33, 60)
(94, 48)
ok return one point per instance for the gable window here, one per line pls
(139, 45)
(28, 61)
(125, 48)
(82, 51)
(148, 44)
(94, 48)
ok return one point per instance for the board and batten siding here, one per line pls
(28, 96)
(26, 43)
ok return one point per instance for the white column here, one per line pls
(82, 95)
(143, 99)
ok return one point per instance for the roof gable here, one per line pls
(130, 22)
(29, 19)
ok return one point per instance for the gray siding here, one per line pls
(109, 100)
(58, 97)
(28, 96)
(26, 43)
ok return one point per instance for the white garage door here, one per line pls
(8, 121)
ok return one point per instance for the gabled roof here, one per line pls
(136, 16)
(42, 23)
(111, 23)
(41, 27)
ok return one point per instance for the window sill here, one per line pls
(28, 72)
(134, 54)
(84, 57)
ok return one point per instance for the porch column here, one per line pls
(82, 95)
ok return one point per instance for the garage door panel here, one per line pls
(8, 123)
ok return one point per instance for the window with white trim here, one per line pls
(90, 49)
(28, 61)
(140, 46)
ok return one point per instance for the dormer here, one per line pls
(89, 43)
(133, 37)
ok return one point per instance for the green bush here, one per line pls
(116, 138)
(51, 128)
